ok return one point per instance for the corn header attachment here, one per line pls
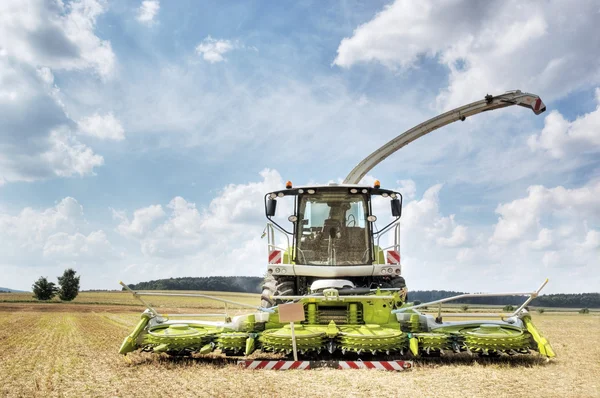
(341, 323)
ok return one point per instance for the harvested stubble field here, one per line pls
(62, 349)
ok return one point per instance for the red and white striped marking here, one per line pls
(393, 257)
(275, 365)
(275, 257)
(377, 365)
(305, 365)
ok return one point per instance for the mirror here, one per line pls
(271, 207)
(396, 207)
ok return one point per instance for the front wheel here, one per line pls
(394, 282)
(273, 287)
(398, 282)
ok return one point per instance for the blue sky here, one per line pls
(138, 137)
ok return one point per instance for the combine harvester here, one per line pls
(333, 292)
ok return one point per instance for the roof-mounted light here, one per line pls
(377, 184)
(301, 190)
(310, 191)
(273, 195)
(364, 191)
(288, 185)
(280, 194)
(354, 190)
(385, 195)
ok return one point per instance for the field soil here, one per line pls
(69, 350)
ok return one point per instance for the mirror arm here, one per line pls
(387, 227)
(280, 227)
(271, 219)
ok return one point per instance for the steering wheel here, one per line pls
(353, 221)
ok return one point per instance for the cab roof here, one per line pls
(334, 187)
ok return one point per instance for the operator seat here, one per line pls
(330, 225)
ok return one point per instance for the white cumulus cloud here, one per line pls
(45, 241)
(202, 240)
(487, 47)
(67, 156)
(49, 236)
(561, 137)
(148, 10)
(104, 127)
(143, 219)
(38, 39)
(56, 35)
(30, 228)
(213, 50)
(78, 246)
(524, 218)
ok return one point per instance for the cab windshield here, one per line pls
(333, 229)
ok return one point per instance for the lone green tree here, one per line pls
(44, 290)
(69, 285)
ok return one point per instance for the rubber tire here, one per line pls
(396, 282)
(399, 283)
(273, 286)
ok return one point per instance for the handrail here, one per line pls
(271, 241)
(396, 244)
(531, 295)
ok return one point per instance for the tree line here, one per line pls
(239, 284)
(561, 300)
(253, 284)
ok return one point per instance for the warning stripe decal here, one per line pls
(393, 257)
(275, 257)
(377, 365)
(305, 365)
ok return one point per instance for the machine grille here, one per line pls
(340, 315)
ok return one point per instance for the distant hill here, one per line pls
(252, 284)
(7, 290)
